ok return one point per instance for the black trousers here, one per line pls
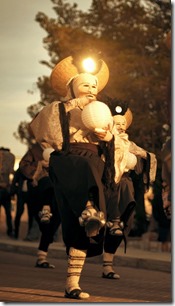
(76, 178)
(120, 202)
(45, 196)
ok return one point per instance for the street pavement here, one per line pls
(21, 281)
(145, 271)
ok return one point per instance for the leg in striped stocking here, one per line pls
(76, 262)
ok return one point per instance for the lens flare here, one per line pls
(118, 109)
(89, 65)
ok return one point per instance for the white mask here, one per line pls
(85, 84)
(120, 123)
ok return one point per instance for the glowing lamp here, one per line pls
(118, 109)
(46, 153)
(89, 65)
(96, 115)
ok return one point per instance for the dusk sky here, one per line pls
(21, 50)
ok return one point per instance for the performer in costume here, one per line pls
(76, 165)
(125, 157)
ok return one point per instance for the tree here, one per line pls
(135, 52)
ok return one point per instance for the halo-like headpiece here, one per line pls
(119, 107)
(129, 117)
(65, 70)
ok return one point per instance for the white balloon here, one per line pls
(96, 115)
(46, 153)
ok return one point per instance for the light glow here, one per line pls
(89, 65)
(118, 109)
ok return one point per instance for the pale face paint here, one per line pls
(120, 123)
(85, 84)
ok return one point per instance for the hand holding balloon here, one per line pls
(103, 134)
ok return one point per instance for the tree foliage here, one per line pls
(130, 36)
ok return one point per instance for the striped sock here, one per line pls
(75, 265)
(108, 264)
(42, 256)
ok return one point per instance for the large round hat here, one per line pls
(129, 117)
(66, 70)
(119, 107)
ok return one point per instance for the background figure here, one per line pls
(33, 232)
(7, 161)
(27, 166)
(41, 193)
(163, 223)
(20, 189)
(166, 177)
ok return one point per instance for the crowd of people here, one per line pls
(88, 184)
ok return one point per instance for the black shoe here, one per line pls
(44, 265)
(76, 294)
(111, 275)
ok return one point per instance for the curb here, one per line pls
(119, 260)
